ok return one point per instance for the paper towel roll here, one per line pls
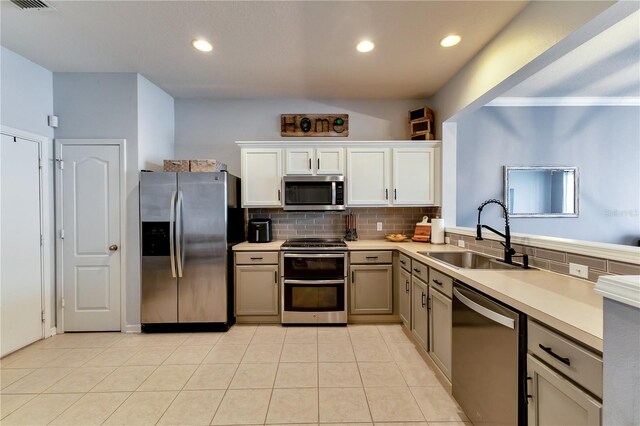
(437, 231)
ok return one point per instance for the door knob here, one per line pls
(113, 247)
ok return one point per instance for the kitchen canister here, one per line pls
(437, 231)
(423, 231)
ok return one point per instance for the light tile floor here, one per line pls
(268, 374)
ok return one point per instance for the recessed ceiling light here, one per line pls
(202, 45)
(450, 40)
(365, 46)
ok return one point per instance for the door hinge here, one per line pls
(62, 234)
(63, 303)
(42, 316)
(41, 240)
(61, 163)
(40, 163)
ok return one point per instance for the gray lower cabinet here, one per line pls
(404, 298)
(440, 335)
(440, 311)
(554, 400)
(420, 312)
(257, 290)
(371, 289)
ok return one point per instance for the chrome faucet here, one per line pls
(508, 250)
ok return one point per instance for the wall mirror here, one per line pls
(548, 191)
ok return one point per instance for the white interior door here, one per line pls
(89, 193)
(21, 260)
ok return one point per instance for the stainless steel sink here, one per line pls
(468, 260)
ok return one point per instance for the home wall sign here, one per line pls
(316, 125)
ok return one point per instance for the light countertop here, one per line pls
(565, 303)
(247, 246)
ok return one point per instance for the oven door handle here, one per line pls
(315, 255)
(313, 282)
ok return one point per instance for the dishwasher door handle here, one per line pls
(487, 313)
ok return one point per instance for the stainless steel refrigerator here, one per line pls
(189, 222)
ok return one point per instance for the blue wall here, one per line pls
(156, 125)
(104, 106)
(27, 94)
(604, 142)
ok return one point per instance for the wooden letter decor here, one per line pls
(314, 125)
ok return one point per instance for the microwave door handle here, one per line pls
(333, 193)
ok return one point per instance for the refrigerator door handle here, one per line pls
(179, 252)
(172, 253)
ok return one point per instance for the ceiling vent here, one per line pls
(36, 5)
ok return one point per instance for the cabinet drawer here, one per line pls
(575, 362)
(405, 262)
(420, 270)
(442, 282)
(371, 257)
(257, 258)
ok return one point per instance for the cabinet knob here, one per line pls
(113, 247)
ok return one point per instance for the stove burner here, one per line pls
(315, 243)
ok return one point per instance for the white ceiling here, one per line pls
(262, 49)
(608, 65)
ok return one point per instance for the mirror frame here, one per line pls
(576, 173)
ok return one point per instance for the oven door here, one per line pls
(314, 266)
(313, 295)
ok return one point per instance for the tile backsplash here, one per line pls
(551, 260)
(287, 224)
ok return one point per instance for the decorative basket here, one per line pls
(176, 165)
(207, 166)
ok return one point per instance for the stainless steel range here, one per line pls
(314, 275)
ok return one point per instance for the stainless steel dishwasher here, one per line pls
(488, 358)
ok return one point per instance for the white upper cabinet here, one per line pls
(310, 161)
(330, 161)
(368, 176)
(414, 176)
(377, 173)
(298, 161)
(261, 177)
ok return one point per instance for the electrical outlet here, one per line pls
(461, 243)
(379, 226)
(579, 270)
(447, 240)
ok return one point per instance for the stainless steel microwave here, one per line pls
(313, 192)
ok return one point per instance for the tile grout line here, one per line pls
(318, 369)
(232, 377)
(186, 381)
(85, 393)
(264, 422)
(364, 390)
(134, 391)
(38, 368)
(404, 379)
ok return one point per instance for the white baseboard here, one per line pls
(133, 328)
(52, 331)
